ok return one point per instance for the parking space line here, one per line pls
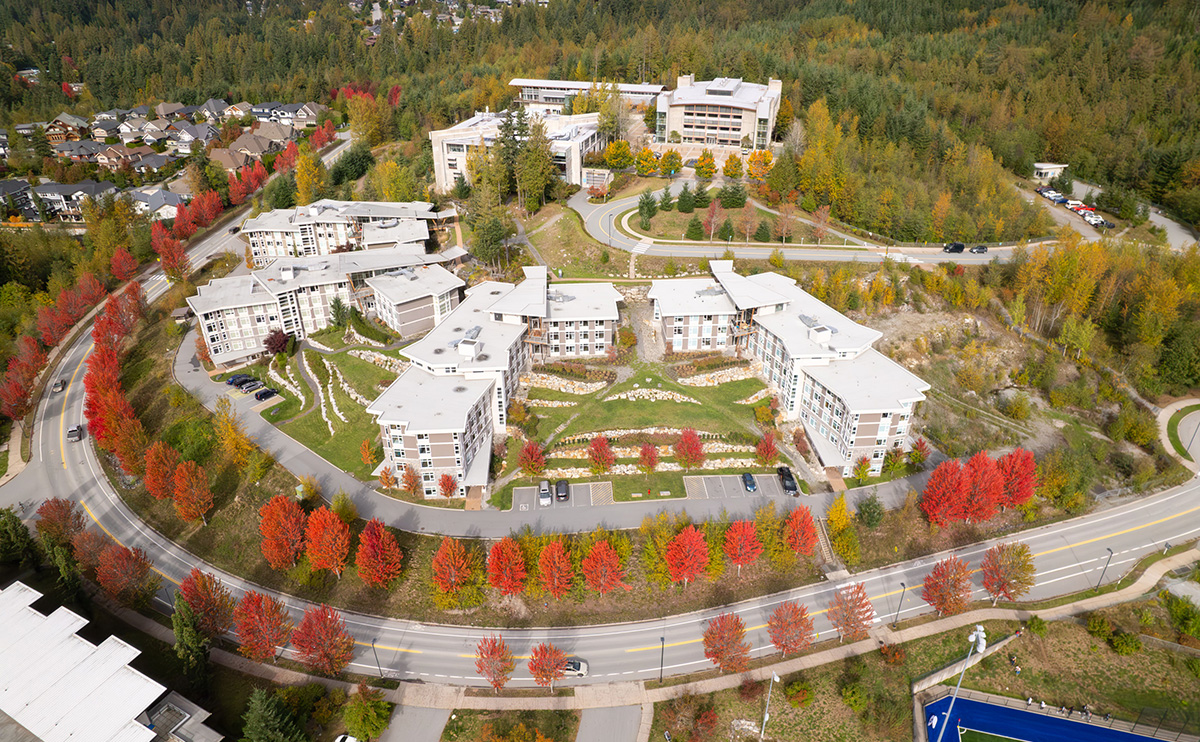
(602, 493)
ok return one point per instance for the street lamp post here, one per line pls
(376, 653)
(610, 225)
(896, 620)
(1106, 563)
(978, 641)
(662, 653)
(767, 713)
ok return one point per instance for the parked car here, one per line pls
(562, 490)
(789, 481)
(748, 482)
(75, 433)
(1072, 204)
(1059, 199)
(576, 668)
(253, 386)
(262, 394)
(238, 379)
(1109, 225)
(954, 247)
(979, 249)
(544, 493)
(345, 738)
(59, 386)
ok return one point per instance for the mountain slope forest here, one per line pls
(1113, 88)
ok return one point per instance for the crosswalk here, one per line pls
(641, 248)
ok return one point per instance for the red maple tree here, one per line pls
(547, 663)
(948, 586)
(983, 488)
(262, 625)
(322, 642)
(411, 480)
(328, 540)
(602, 570)
(123, 266)
(378, 558)
(87, 546)
(555, 570)
(494, 661)
(239, 188)
(452, 567)
(531, 459)
(686, 555)
(647, 458)
(919, 453)
(767, 450)
(286, 160)
(170, 253)
(447, 486)
(506, 566)
(161, 462)
(725, 643)
(799, 531)
(1019, 472)
(258, 175)
(52, 325)
(207, 207)
(851, 612)
(129, 444)
(742, 546)
(600, 454)
(210, 600)
(689, 451)
(943, 493)
(281, 524)
(58, 522)
(1008, 571)
(790, 627)
(91, 290)
(185, 222)
(202, 350)
(125, 574)
(193, 499)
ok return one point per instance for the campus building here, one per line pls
(571, 138)
(722, 112)
(471, 363)
(551, 95)
(327, 226)
(852, 400)
(235, 314)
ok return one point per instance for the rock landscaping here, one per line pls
(548, 403)
(353, 338)
(395, 365)
(652, 395)
(756, 397)
(631, 452)
(716, 378)
(631, 469)
(559, 384)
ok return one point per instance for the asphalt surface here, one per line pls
(413, 724)
(609, 724)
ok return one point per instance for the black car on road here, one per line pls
(954, 247)
(262, 394)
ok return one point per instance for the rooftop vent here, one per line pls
(808, 321)
(468, 348)
(438, 351)
(560, 297)
(711, 291)
(460, 389)
(482, 357)
(474, 332)
(457, 329)
(494, 293)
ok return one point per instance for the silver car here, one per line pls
(544, 493)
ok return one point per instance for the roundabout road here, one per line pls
(1070, 555)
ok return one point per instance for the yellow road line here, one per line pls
(62, 417)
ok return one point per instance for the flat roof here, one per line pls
(429, 403)
(406, 284)
(870, 382)
(527, 298)
(622, 87)
(574, 301)
(61, 687)
(330, 211)
(805, 311)
(494, 339)
(395, 232)
(229, 292)
(686, 296)
(723, 91)
(743, 290)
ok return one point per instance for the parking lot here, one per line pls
(730, 486)
(581, 495)
(596, 494)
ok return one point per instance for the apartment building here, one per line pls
(551, 95)
(473, 359)
(326, 226)
(235, 314)
(852, 400)
(726, 111)
(571, 138)
(413, 300)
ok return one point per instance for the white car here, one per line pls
(346, 738)
(1072, 204)
(544, 493)
(576, 668)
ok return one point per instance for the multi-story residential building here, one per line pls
(235, 314)
(722, 112)
(489, 338)
(414, 300)
(853, 401)
(571, 138)
(326, 226)
(551, 95)
(66, 128)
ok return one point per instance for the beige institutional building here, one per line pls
(723, 112)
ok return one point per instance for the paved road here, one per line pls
(1179, 235)
(610, 724)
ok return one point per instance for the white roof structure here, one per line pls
(490, 340)
(870, 382)
(406, 284)
(428, 402)
(622, 87)
(682, 296)
(798, 325)
(745, 292)
(394, 232)
(528, 298)
(724, 91)
(562, 131)
(231, 291)
(63, 688)
(328, 210)
(578, 301)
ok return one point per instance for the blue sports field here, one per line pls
(1020, 725)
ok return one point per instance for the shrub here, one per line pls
(1125, 644)
(1036, 625)
(1193, 665)
(1018, 407)
(1099, 626)
(854, 697)
(870, 511)
(750, 691)
(893, 654)
(798, 693)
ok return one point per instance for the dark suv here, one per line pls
(561, 490)
(789, 481)
(954, 247)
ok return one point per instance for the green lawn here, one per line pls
(970, 735)
(364, 376)
(1173, 430)
(330, 337)
(342, 449)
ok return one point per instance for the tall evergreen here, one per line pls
(268, 720)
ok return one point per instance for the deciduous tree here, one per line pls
(387, 479)
(725, 643)
(733, 167)
(494, 661)
(262, 625)
(282, 522)
(671, 162)
(689, 451)
(126, 575)
(602, 569)
(58, 522)
(328, 540)
(687, 555)
(742, 546)
(447, 486)
(87, 546)
(366, 714)
(647, 458)
(646, 163)
(378, 558)
(322, 641)
(919, 453)
(531, 459)
(193, 499)
(758, 164)
(943, 493)
(706, 165)
(547, 664)
(452, 567)
(367, 452)
(236, 444)
(790, 627)
(984, 488)
(506, 566)
(1008, 571)
(210, 600)
(766, 451)
(948, 586)
(851, 612)
(412, 480)
(601, 455)
(1019, 472)
(555, 570)
(123, 266)
(185, 222)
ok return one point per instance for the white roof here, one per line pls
(228, 292)
(591, 301)
(63, 688)
(407, 284)
(803, 313)
(330, 211)
(723, 91)
(394, 232)
(743, 290)
(528, 298)
(470, 320)
(429, 403)
(684, 296)
(622, 87)
(870, 382)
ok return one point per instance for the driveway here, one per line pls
(413, 724)
(617, 724)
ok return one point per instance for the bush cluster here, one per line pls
(576, 370)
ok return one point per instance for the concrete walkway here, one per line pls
(1189, 432)
(617, 724)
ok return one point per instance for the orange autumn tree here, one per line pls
(281, 524)
(328, 540)
(378, 558)
(161, 462)
(262, 625)
(193, 499)
(555, 570)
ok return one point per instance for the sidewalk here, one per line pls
(1164, 416)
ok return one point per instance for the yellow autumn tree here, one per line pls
(838, 516)
(646, 163)
(231, 434)
(310, 179)
(758, 164)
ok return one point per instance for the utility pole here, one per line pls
(896, 620)
(1103, 571)
(767, 712)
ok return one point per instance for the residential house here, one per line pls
(3, 144)
(132, 128)
(142, 111)
(58, 686)
(724, 112)
(104, 128)
(150, 164)
(236, 110)
(254, 146)
(203, 133)
(279, 133)
(116, 114)
(156, 202)
(265, 111)
(186, 113)
(853, 401)
(116, 157)
(159, 126)
(212, 110)
(84, 150)
(15, 194)
(327, 226)
(228, 158)
(66, 201)
(167, 110)
(66, 128)
(298, 115)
